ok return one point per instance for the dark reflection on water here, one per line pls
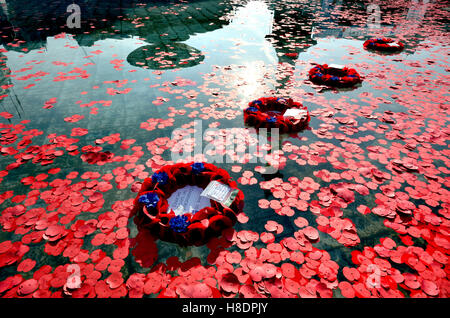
(169, 56)
(34, 21)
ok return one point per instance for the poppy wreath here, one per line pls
(382, 44)
(267, 112)
(197, 228)
(324, 75)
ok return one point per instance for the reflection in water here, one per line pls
(417, 10)
(165, 56)
(154, 21)
(7, 90)
(4, 6)
(415, 16)
(332, 12)
(329, 10)
(254, 22)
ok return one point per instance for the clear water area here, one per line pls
(138, 70)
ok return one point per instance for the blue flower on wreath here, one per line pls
(334, 78)
(197, 167)
(150, 200)
(281, 100)
(252, 110)
(271, 119)
(179, 223)
(257, 102)
(318, 75)
(160, 177)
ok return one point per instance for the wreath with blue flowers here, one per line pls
(151, 208)
(325, 75)
(383, 45)
(268, 112)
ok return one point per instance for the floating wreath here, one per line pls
(154, 213)
(383, 44)
(273, 112)
(334, 76)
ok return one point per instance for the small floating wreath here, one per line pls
(187, 227)
(383, 44)
(274, 112)
(334, 76)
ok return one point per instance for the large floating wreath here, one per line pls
(273, 112)
(334, 76)
(383, 44)
(154, 212)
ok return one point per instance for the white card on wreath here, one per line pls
(217, 191)
(337, 66)
(296, 113)
(392, 44)
(188, 200)
(220, 193)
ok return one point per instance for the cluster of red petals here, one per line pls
(205, 223)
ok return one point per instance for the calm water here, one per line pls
(175, 62)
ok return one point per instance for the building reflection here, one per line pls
(290, 26)
(406, 25)
(296, 24)
(154, 21)
(414, 17)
